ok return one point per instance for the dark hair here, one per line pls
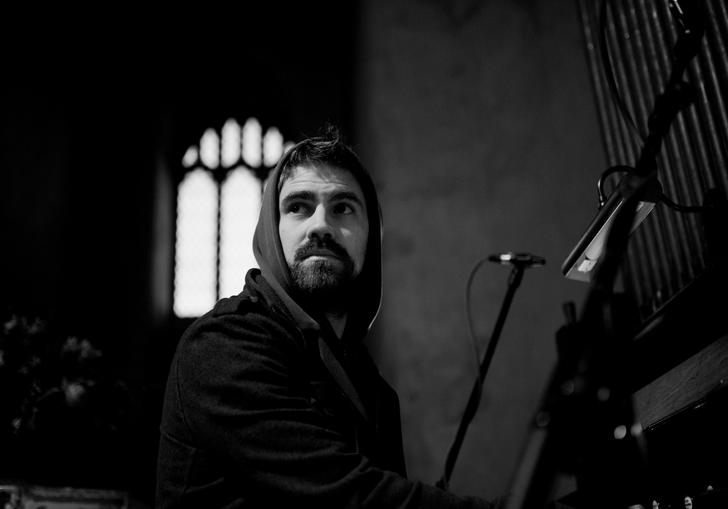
(328, 148)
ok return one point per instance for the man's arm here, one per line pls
(241, 397)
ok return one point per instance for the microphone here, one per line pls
(518, 259)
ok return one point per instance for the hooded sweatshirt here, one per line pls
(271, 260)
(266, 406)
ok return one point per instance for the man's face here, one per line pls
(323, 228)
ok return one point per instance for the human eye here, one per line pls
(295, 207)
(343, 208)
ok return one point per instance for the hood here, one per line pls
(274, 268)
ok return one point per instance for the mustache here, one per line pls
(325, 245)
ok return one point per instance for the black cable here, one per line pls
(662, 197)
(681, 208)
(604, 175)
(474, 399)
(628, 117)
(475, 395)
(471, 407)
(469, 314)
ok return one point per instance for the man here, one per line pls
(272, 399)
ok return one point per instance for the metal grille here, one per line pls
(668, 251)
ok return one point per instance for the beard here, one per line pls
(323, 283)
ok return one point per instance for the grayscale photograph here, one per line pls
(384, 254)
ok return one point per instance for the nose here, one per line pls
(319, 224)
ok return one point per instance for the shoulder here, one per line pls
(237, 328)
(254, 302)
(243, 303)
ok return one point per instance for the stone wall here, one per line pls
(478, 121)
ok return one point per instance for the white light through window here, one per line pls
(272, 146)
(210, 149)
(230, 143)
(252, 145)
(218, 203)
(239, 209)
(190, 157)
(194, 283)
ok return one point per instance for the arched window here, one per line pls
(218, 201)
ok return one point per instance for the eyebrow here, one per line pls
(309, 196)
(347, 195)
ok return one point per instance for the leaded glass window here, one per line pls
(218, 201)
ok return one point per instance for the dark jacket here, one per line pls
(266, 406)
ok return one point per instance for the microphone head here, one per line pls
(522, 259)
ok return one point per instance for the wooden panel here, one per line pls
(685, 385)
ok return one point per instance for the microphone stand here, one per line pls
(586, 425)
(514, 281)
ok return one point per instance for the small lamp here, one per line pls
(582, 260)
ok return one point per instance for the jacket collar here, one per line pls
(310, 328)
